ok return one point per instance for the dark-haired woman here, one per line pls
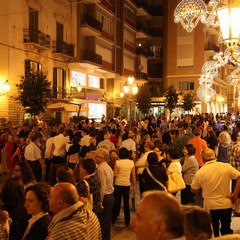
(12, 198)
(152, 172)
(89, 181)
(37, 205)
(24, 171)
(189, 169)
(124, 169)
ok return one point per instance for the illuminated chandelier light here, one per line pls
(190, 12)
(234, 77)
(205, 93)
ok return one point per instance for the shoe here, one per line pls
(236, 214)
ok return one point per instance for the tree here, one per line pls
(143, 98)
(34, 92)
(188, 101)
(171, 96)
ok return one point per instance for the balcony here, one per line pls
(36, 39)
(156, 32)
(142, 30)
(90, 59)
(145, 52)
(142, 75)
(62, 49)
(143, 8)
(91, 26)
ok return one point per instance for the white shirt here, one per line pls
(85, 140)
(129, 144)
(60, 143)
(32, 152)
(125, 167)
(48, 148)
(214, 178)
(141, 163)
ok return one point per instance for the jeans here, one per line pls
(120, 191)
(222, 216)
(105, 216)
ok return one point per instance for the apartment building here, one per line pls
(86, 48)
(186, 54)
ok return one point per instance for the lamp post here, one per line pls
(130, 89)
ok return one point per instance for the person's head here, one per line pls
(197, 132)
(208, 155)
(159, 216)
(123, 153)
(34, 138)
(65, 174)
(152, 158)
(114, 154)
(24, 171)
(189, 150)
(87, 167)
(148, 146)
(12, 194)
(62, 196)
(225, 138)
(101, 155)
(197, 223)
(173, 153)
(84, 150)
(37, 198)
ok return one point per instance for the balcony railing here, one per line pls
(141, 27)
(145, 52)
(92, 57)
(38, 37)
(62, 47)
(59, 92)
(156, 32)
(143, 4)
(91, 21)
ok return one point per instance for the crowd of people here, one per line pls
(67, 181)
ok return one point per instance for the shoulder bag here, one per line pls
(175, 182)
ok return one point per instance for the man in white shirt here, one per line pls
(34, 158)
(129, 143)
(106, 142)
(213, 180)
(85, 140)
(58, 154)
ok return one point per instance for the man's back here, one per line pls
(75, 223)
(214, 179)
(199, 144)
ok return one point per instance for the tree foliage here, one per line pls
(188, 101)
(171, 96)
(34, 92)
(143, 98)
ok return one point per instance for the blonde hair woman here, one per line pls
(222, 147)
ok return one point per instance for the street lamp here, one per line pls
(130, 89)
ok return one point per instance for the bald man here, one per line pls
(71, 220)
(159, 216)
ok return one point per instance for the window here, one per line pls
(59, 34)
(32, 66)
(106, 22)
(130, 14)
(33, 25)
(59, 83)
(184, 86)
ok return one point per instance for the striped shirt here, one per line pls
(74, 223)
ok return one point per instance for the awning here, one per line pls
(67, 107)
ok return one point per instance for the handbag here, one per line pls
(175, 182)
(158, 182)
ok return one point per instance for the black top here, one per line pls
(159, 173)
(39, 229)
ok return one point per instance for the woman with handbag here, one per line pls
(174, 172)
(154, 176)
